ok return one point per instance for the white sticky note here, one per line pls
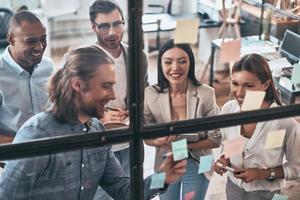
(186, 31)
(253, 100)
(158, 180)
(230, 51)
(233, 147)
(296, 74)
(275, 139)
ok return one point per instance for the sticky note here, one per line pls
(233, 147)
(279, 197)
(253, 100)
(179, 149)
(275, 139)
(158, 180)
(205, 163)
(230, 51)
(189, 195)
(186, 31)
(296, 74)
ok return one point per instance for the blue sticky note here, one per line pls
(158, 180)
(179, 149)
(205, 163)
(279, 197)
(296, 74)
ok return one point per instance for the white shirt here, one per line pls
(21, 95)
(255, 156)
(120, 89)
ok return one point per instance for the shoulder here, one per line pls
(204, 92)
(152, 93)
(152, 90)
(229, 107)
(47, 63)
(205, 88)
(35, 127)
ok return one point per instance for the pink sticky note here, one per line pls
(230, 51)
(189, 195)
(233, 147)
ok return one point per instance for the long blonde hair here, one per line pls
(81, 62)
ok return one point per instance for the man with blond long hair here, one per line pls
(79, 93)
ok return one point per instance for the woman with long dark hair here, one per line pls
(179, 96)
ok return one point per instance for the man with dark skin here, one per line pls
(24, 72)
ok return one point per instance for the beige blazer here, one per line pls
(201, 102)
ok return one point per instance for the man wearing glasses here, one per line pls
(108, 22)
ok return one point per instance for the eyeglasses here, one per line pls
(105, 27)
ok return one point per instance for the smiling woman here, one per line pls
(179, 96)
(259, 171)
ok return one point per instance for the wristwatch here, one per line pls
(272, 175)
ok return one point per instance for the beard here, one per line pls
(110, 42)
(91, 110)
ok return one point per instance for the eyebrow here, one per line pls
(176, 58)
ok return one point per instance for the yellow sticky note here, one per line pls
(230, 51)
(253, 100)
(275, 139)
(186, 31)
(233, 147)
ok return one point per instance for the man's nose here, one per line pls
(39, 46)
(111, 30)
(112, 95)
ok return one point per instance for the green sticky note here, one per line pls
(279, 197)
(296, 74)
(205, 163)
(179, 149)
(158, 180)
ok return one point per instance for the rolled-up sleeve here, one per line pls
(291, 168)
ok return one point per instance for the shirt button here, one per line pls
(82, 187)
(82, 166)
(84, 129)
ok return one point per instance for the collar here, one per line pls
(12, 63)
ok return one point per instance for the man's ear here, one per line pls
(77, 84)
(11, 38)
(94, 27)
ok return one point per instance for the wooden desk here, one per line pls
(252, 40)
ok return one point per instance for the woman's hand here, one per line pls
(224, 162)
(249, 175)
(165, 140)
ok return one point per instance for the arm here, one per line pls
(291, 168)
(18, 178)
(145, 69)
(5, 137)
(213, 138)
(148, 117)
(288, 170)
(174, 170)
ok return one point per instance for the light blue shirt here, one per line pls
(72, 175)
(21, 95)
